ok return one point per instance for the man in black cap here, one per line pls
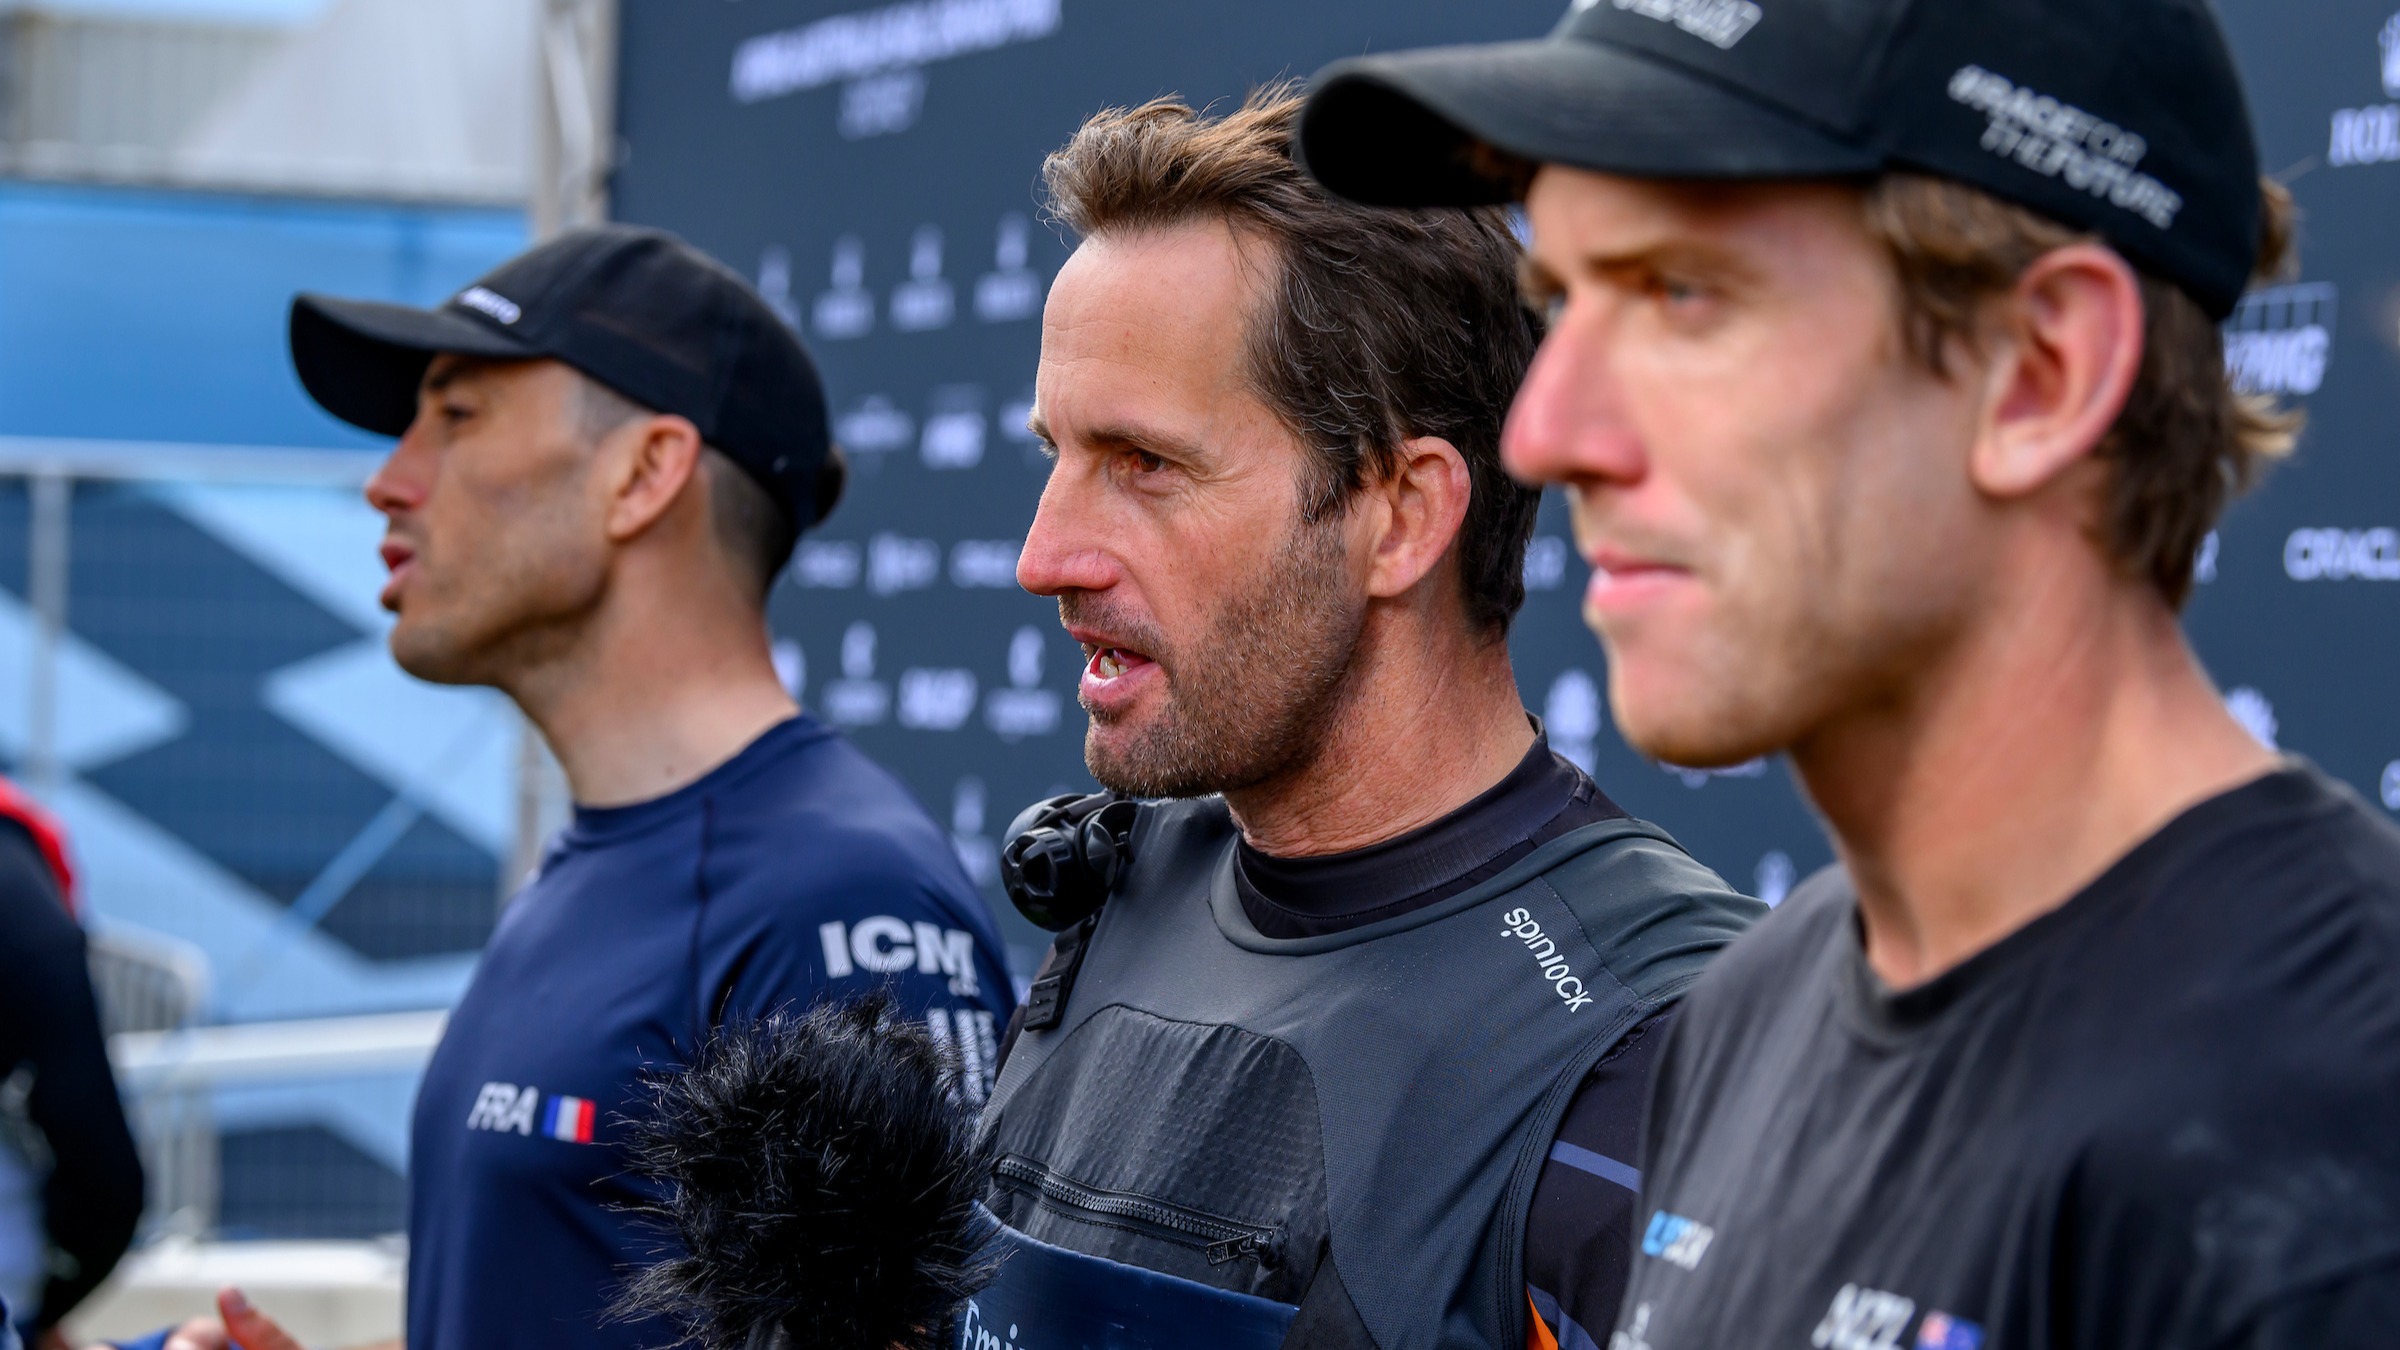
(1885, 379)
(608, 448)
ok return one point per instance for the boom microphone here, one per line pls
(822, 1173)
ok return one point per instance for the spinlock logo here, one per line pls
(1719, 23)
(485, 301)
(1521, 926)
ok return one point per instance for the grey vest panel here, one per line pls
(1385, 1095)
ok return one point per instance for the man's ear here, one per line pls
(2065, 360)
(1422, 507)
(651, 461)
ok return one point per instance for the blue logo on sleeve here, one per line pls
(1674, 1238)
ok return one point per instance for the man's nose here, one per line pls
(398, 483)
(1568, 425)
(1066, 550)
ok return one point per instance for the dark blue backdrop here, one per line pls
(874, 168)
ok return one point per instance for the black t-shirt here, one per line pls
(1578, 1232)
(2166, 1114)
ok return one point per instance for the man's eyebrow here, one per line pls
(1143, 438)
(1666, 252)
(1120, 437)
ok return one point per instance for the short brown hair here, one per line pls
(1381, 326)
(2187, 441)
(757, 534)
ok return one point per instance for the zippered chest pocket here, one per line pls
(1221, 1241)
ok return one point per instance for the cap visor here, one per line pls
(1408, 129)
(362, 361)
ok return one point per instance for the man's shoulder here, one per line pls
(823, 831)
(1655, 913)
(825, 802)
(2271, 913)
(2357, 847)
(1765, 967)
(818, 770)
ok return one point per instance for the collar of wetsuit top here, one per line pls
(607, 824)
(1296, 897)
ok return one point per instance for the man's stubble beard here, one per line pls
(1253, 699)
(518, 620)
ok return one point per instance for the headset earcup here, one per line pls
(1105, 840)
(1043, 876)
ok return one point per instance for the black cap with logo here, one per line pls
(2123, 117)
(637, 310)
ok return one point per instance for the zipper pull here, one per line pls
(1232, 1249)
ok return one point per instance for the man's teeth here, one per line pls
(1110, 665)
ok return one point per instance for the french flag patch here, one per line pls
(569, 1118)
(1941, 1331)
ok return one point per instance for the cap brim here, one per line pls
(362, 361)
(1416, 128)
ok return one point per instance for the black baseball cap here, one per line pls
(637, 310)
(2123, 117)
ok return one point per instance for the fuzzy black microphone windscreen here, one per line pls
(821, 1174)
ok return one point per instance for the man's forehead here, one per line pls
(1580, 211)
(1144, 327)
(1138, 283)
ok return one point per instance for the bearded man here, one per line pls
(1361, 1031)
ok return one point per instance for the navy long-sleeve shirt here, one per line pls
(795, 870)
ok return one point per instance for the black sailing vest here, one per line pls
(1233, 1140)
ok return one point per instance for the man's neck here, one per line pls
(1429, 723)
(2038, 750)
(650, 697)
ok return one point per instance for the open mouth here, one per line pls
(1110, 664)
(1114, 678)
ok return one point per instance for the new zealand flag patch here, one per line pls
(1941, 1331)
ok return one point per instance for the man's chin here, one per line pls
(1688, 733)
(427, 657)
(1132, 765)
